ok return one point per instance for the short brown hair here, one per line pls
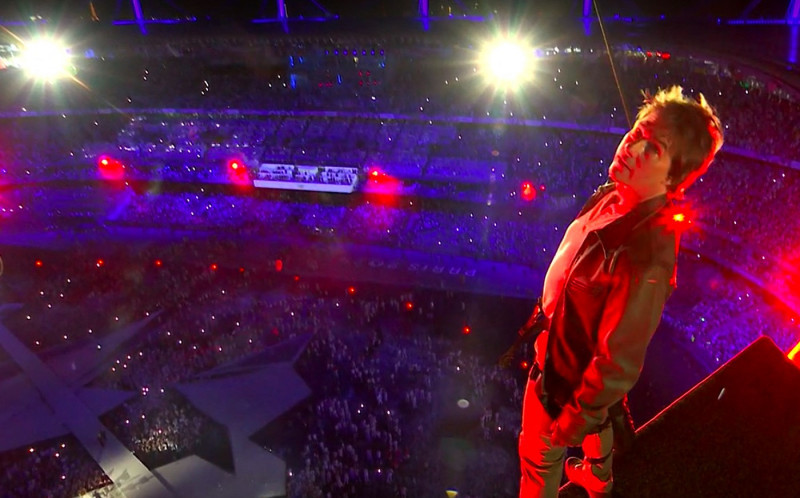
(694, 130)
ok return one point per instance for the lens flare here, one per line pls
(45, 59)
(506, 62)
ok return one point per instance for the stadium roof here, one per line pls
(57, 10)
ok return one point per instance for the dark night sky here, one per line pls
(12, 10)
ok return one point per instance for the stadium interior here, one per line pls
(281, 256)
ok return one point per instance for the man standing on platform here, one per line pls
(605, 291)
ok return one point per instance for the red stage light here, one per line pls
(409, 305)
(38, 263)
(466, 330)
(297, 278)
(100, 263)
(680, 218)
(351, 290)
(666, 56)
(524, 365)
(679, 221)
(110, 168)
(158, 263)
(278, 265)
(382, 184)
(241, 269)
(214, 267)
(238, 172)
(528, 192)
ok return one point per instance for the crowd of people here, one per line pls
(725, 314)
(727, 208)
(380, 371)
(161, 427)
(388, 391)
(574, 88)
(385, 376)
(56, 467)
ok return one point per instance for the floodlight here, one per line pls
(506, 61)
(45, 59)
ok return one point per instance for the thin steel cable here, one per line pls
(613, 68)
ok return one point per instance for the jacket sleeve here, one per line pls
(632, 313)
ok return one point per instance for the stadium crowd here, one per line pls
(57, 467)
(388, 389)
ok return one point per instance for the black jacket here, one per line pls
(608, 310)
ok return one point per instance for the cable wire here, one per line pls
(613, 68)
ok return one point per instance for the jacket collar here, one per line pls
(617, 232)
(598, 194)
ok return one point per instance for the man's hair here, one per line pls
(694, 130)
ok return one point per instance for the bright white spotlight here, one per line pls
(45, 59)
(506, 61)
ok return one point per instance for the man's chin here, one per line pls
(616, 173)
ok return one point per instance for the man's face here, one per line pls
(642, 161)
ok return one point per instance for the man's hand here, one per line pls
(565, 436)
(557, 438)
(527, 334)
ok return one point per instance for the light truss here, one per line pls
(282, 16)
(793, 12)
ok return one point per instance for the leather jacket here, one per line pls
(606, 314)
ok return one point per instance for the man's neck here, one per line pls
(630, 199)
